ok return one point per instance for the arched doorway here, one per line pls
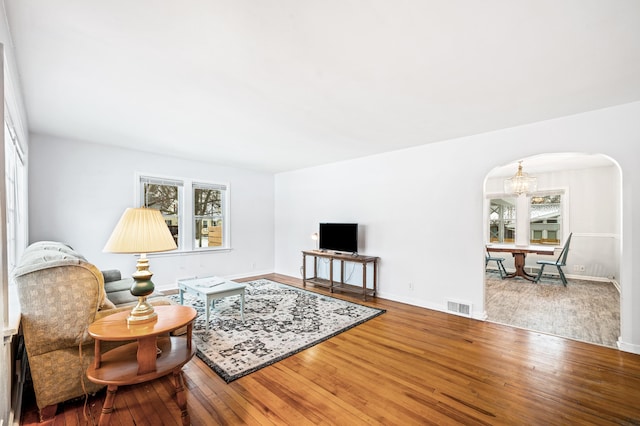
(576, 193)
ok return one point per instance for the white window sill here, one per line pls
(205, 250)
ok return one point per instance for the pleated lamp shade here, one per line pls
(140, 230)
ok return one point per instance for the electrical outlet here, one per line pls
(582, 268)
(576, 268)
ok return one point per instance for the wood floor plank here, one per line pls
(407, 366)
(241, 410)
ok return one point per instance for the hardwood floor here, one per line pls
(407, 366)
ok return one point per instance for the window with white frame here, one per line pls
(196, 212)
(164, 195)
(543, 213)
(545, 218)
(502, 220)
(15, 181)
(208, 213)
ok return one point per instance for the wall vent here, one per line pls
(459, 308)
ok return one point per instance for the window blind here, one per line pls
(158, 181)
(220, 187)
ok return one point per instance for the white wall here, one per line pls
(422, 208)
(592, 201)
(78, 191)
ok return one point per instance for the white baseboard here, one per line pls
(628, 347)
(427, 305)
(248, 274)
(534, 271)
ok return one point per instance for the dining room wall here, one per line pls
(421, 209)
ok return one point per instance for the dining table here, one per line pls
(519, 253)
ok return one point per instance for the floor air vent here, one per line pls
(459, 308)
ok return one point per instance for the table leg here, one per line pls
(207, 310)
(181, 296)
(364, 281)
(330, 275)
(107, 407)
(519, 263)
(181, 396)
(304, 270)
(242, 305)
(315, 267)
(375, 277)
(147, 354)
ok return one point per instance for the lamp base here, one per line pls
(143, 312)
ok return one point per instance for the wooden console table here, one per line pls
(139, 361)
(340, 285)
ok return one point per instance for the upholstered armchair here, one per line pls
(60, 294)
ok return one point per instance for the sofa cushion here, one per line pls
(118, 285)
(124, 296)
(119, 292)
(111, 275)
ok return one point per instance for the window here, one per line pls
(15, 201)
(545, 215)
(544, 210)
(208, 205)
(196, 212)
(164, 195)
(502, 220)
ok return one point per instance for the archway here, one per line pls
(580, 194)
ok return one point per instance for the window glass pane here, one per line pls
(208, 216)
(164, 198)
(502, 220)
(10, 182)
(545, 219)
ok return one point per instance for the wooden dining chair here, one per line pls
(498, 260)
(558, 263)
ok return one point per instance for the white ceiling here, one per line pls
(283, 85)
(553, 162)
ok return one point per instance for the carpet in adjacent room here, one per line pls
(583, 310)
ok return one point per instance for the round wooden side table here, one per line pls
(140, 360)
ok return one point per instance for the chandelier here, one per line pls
(520, 183)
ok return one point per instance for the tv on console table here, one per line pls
(340, 285)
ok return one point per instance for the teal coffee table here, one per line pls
(209, 289)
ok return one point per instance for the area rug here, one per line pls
(280, 320)
(588, 311)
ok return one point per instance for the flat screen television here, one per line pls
(342, 237)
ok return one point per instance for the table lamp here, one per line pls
(141, 231)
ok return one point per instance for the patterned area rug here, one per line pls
(583, 310)
(280, 320)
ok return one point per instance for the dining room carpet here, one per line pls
(588, 311)
(280, 320)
